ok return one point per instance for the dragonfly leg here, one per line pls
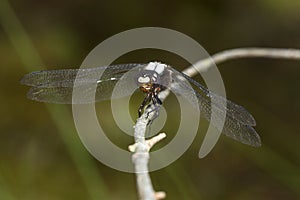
(155, 99)
(143, 104)
(156, 106)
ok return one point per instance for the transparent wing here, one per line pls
(56, 86)
(237, 112)
(238, 121)
(63, 95)
(66, 77)
(232, 127)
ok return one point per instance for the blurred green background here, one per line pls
(41, 156)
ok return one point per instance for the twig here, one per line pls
(141, 147)
(150, 143)
(140, 158)
(250, 52)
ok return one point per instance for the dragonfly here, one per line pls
(56, 86)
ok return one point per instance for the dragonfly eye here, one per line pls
(144, 79)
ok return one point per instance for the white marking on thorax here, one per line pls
(160, 68)
(151, 66)
(156, 66)
(154, 78)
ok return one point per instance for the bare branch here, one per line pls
(251, 52)
(151, 142)
(141, 147)
(160, 195)
(140, 158)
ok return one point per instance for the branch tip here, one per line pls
(151, 142)
(160, 195)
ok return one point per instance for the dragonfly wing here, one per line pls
(63, 95)
(48, 78)
(238, 121)
(66, 77)
(57, 86)
(232, 128)
(181, 86)
(237, 112)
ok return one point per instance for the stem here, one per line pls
(249, 52)
(141, 147)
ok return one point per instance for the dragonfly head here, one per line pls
(151, 76)
(146, 78)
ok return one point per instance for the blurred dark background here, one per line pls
(41, 156)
